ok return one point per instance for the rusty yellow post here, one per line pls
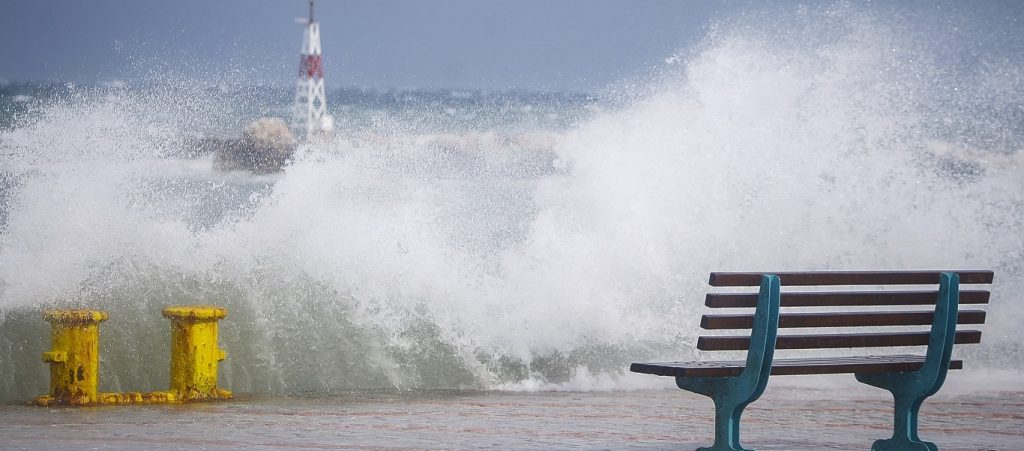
(74, 357)
(194, 352)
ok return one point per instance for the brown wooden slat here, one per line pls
(844, 319)
(862, 364)
(750, 279)
(823, 341)
(813, 365)
(843, 298)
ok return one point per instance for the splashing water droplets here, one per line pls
(521, 258)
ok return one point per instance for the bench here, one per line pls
(866, 299)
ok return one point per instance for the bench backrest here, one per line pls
(866, 299)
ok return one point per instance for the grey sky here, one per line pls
(491, 44)
(568, 44)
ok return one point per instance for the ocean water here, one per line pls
(525, 242)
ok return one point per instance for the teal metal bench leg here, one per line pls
(730, 397)
(732, 394)
(907, 404)
(910, 389)
(727, 427)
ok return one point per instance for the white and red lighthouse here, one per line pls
(310, 110)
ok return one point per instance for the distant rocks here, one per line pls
(266, 146)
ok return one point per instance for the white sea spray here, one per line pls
(529, 257)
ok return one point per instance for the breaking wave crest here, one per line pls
(546, 256)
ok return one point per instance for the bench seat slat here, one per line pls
(840, 319)
(822, 341)
(812, 365)
(843, 299)
(752, 279)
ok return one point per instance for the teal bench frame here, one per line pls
(731, 394)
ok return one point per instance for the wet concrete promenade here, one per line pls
(784, 418)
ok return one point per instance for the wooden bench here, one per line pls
(866, 300)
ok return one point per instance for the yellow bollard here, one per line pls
(194, 352)
(74, 358)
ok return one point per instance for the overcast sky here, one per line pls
(546, 44)
(489, 44)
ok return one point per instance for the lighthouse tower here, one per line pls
(310, 110)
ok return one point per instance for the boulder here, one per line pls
(266, 146)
